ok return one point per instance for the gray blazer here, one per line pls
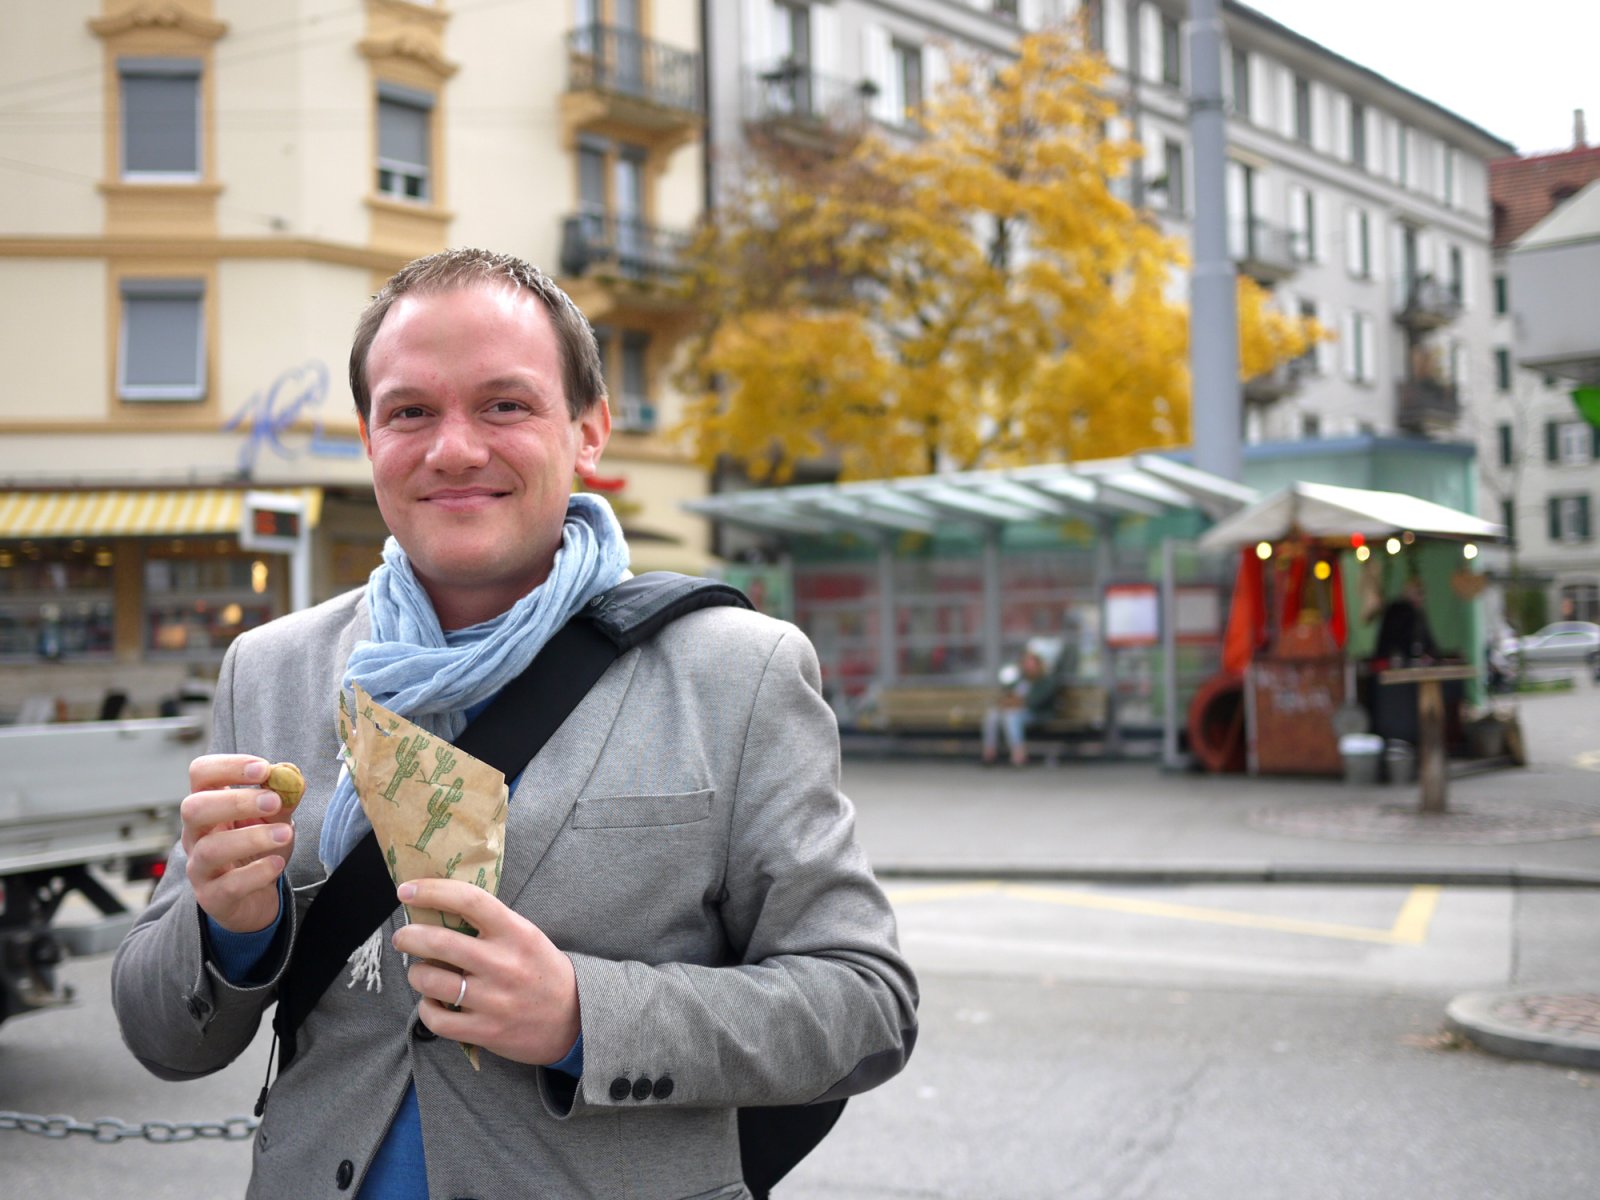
(682, 837)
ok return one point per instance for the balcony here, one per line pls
(1263, 251)
(792, 103)
(621, 78)
(1283, 380)
(1425, 404)
(620, 247)
(1428, 305)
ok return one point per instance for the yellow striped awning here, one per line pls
(135, 512)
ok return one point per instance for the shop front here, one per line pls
(112, 596)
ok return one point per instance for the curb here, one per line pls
(1474, 1017)
(1200, 872)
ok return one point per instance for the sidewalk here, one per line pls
(1536, 826)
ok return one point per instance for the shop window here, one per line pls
(198, 597)
(56, 601)
(405, 126)
(160, 100)
(162, 348)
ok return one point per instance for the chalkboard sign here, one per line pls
(1292, 703)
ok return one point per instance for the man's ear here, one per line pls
(594, 430)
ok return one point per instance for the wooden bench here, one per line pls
(931, 716)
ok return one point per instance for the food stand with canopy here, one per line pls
(1285, 647)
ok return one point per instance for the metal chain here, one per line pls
(109, 1129)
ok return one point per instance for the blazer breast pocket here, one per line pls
(636, 812)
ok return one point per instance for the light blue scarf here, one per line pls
(413, 667)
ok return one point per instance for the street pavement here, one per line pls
(1530, 827)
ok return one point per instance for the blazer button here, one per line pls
(663, 1088)
(344, 1174)
(641, 1088)
(620, 1088)
(423, 1034)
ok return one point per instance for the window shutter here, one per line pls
(1114, 29)
(1504, 430)
(1552, 508)
(935, 70)
(1325, 349)
(757, 16)
(1347, 344)
(1552, 441)
(163, 340)
(1594, 442)
(1583, 517)
(1352, 240)
(879, 53)
(824, 41)
(1150, 43)
(160, 116)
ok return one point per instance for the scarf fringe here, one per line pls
(366, 964)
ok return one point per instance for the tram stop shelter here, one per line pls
(916, 591)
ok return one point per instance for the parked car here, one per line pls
(1569, 642)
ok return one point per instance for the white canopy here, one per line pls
(1324, 510)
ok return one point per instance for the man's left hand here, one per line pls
(521, 1000)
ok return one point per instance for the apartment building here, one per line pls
(1356, 201)
(1540, 457)
(200, 195)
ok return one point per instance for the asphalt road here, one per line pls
(1088, 1043)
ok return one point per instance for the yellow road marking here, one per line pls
(1410, 926)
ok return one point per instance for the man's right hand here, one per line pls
(238, 840)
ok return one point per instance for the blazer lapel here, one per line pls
(552, 782)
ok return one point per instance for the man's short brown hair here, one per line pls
(449, 270)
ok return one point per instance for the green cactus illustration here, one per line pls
(445, 760)
(452, 864)
(394, 864)
(482, 880)
(439, 813)
(406, 764)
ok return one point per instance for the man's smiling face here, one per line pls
(473, 450)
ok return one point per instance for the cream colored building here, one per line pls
(200, 195)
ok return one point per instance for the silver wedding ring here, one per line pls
(461, 995)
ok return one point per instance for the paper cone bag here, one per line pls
(438, 812)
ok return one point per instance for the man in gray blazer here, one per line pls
(684, 924)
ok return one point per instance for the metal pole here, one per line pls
(1216, 411)
(888, 643)
(300, 572)
(991, 601)
(1169, 654)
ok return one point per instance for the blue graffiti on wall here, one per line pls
(269, 413)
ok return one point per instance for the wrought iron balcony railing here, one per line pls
(628, 247)
(1429, 304)
(607, 59)
(1265, 252)
(791, 92)
(1425, 403)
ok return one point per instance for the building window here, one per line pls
(1302, 223)
(160, 118)
(1501, 297)
(1402, 138)
(908, 82)
(405, 125)
(631, 407)
(1458, 276)
(1309, 361)
(162, 349)
(1005, 8)
(1302, 110)
(1570, 443)
(1171, 52)
(1358, 250)
(1240, 73)
(1357, 340)
(1449, 175)
(1502, 368)
(1568, 518)
(1310, 426)
(1580, 602)
(1507, 446)
(1177, 197)
(1508, 518)
(1358, 134)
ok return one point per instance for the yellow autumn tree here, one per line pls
(974, 296)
